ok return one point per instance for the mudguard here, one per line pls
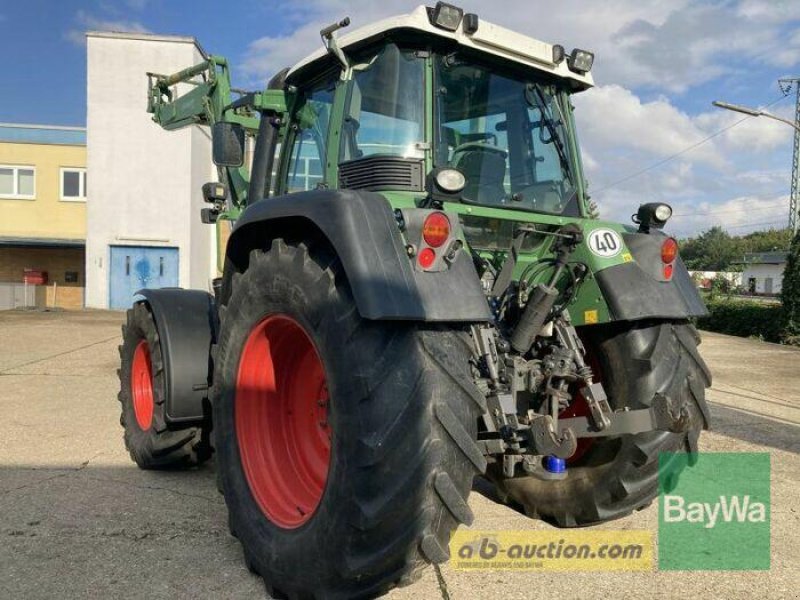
(638, 290)
(187, 324)
(362, 229)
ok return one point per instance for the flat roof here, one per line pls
(26, 133)
(148, 37)
(42, 242)
(488, 38)
(765, 258)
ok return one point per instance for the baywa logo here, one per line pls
(733, 508)
(714, 511)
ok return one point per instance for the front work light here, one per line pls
(652, 214)
(450, 181)
(446, 16)
(214, 192)
(581, 61)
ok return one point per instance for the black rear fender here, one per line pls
(639, 290)
(362, 230)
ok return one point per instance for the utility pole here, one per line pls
(786, 88)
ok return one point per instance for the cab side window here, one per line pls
(306, 169)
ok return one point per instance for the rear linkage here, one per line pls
(530, 370)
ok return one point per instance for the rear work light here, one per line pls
(669, 252)
(436, 229)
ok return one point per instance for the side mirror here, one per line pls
(227, 140)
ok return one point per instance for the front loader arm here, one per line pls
(210, 100)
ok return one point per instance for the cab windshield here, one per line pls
(508, 135)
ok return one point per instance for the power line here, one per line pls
(684, 151)
(781, 206)
(782, 221)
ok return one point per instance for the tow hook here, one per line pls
(547, 441)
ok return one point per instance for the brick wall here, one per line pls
(56, 261)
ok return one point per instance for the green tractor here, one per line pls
(413, 292)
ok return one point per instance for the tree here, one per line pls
(790, 293)
(767, 241)
(712, 250)
(716, 250)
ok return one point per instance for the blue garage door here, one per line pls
(136, 267)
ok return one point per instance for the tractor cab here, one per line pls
(442, 105)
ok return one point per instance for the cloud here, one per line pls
(87, 22)
(613, 115)
(667, 46)
(748, 134)
(651, 55)
(268, 55)
(739, 215)
(731, 179)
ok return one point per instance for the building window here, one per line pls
(17, 182)
(73, 184)
(71, 277)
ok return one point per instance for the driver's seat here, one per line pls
(484, 167)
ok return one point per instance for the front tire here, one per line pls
(142, 398)
(345, 445)
(616, 476)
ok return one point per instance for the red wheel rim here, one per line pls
(580, 408)
(142, 385)
(281, 413)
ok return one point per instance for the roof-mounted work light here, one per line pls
(581, 61)
(446, 16)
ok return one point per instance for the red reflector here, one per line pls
(668, 271)
(426, 257)
(436, 229)
(669, 250)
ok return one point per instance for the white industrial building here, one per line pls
(143, 216)
(763, 272)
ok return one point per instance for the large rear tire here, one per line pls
(345, 445)
(615, 476)
(142, 398)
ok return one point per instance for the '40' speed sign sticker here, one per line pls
(605, 243)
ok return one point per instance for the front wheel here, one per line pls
(608, 478)
(142, 397)
(346, 446)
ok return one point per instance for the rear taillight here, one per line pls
(669, 252)
(436, 229)
(426, 257)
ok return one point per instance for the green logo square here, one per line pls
(714, 511)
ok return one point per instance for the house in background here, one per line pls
(763, 272)
(705, 279)
(42, 216)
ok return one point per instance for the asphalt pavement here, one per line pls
(79, 520)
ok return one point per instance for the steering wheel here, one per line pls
(481, 147)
